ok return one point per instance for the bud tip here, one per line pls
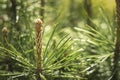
(38, 21)
(4, 30)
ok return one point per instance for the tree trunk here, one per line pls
(14, 12)
(88, 9)
(115, 75)
(72, 13)
(42, 11)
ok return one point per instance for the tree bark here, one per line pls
(115, 75)
(42, 11)
(72, 13)
(14, 12)
(88, 9)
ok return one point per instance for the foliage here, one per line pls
(71, 48)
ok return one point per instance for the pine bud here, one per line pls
(38, 28)
(38, 24)
(5, 32)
